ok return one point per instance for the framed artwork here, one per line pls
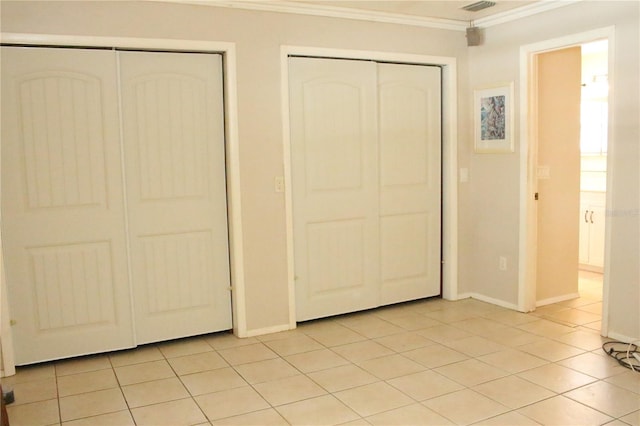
(493, 119)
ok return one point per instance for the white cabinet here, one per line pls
(592, 220)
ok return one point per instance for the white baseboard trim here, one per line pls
(268, 330)
(488, 299)
(557, 299)
(623, 338)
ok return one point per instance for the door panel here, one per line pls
(335, 185)
(176, 193)
(410, 181)
(62, 203)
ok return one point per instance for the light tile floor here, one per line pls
(420, 363)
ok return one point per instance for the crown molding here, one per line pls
(316, 9)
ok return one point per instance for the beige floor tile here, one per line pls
(34, 414)
(322, 359)
(374, 398)
(360, 351)
(513, 360)
(450, 315)
(91, 404)
(248, 353)
(547, 309)
(425, 385)
(391, 366)
(173, 413)
(583, 300)
(213, 381)
(86, 382)
(443, 333)
(474, 346)
(33, 391)
(415, 414)
(413, 322)
(550, 350)
(268, 417)
(343, 377)
(508, 419)
(288, 390)
(545, 328)
(31, 373)
(629, 380)
(322, 410)
(232, 402)
(599, 366)
(595, 326)
(435, 356)
(280, 335)
(119, 418)
(511, 318)
(138, 373)
(574, 316)
(82, 365)
(264, 371)
(335, 335)
(465, 407)
(480, 326)
(594, 308)
(470, 372)
(585, 340)
(372, 327)
(608, 398)
(197, 363)
(293, 345)
(513, 391)
(154, 392)
(403, 342)
(226, 340)
(560, 410)
(183, 347)
(632, 419)
(136, 356)
(556, 378)
(514, 337)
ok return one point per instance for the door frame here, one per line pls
(449, 155)
(528, 164)
(232, 150)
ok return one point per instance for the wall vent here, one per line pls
(479, 5)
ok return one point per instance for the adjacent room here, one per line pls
(320, 212)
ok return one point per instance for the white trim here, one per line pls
(319, 9)
(488, 299)
(623, 338)
(231, 133)
(557, 299)
(449, 162)
(267, 330)
(528, 163)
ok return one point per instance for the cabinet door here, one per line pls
(173, 126)
(585, 227)
(62, 203)
(596, 235)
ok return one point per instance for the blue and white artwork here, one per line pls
(492, 118)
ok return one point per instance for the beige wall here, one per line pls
(488, 203)
(491, 221)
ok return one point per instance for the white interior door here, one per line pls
(365, 154)
(335, 185)
(62, 203)
(176, 192)
(410, 181)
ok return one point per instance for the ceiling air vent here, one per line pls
(479, 5)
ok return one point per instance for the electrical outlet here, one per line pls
(503, 263)
(279, 183)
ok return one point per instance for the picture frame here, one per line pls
(493, 119)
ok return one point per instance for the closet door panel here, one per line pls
(175, 170)
(335, 185)
(410, 181)
(62, 203)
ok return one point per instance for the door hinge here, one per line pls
(535, 196)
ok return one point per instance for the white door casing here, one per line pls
(62, 203)
(366, 206)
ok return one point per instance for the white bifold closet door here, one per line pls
(81, 216)
(365, 154)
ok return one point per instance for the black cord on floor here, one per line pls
(626, 354)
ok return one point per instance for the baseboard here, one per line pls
(622, 337)
(556, 299)
(488, 299)
(268, 330)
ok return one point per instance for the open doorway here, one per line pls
(585, 305)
